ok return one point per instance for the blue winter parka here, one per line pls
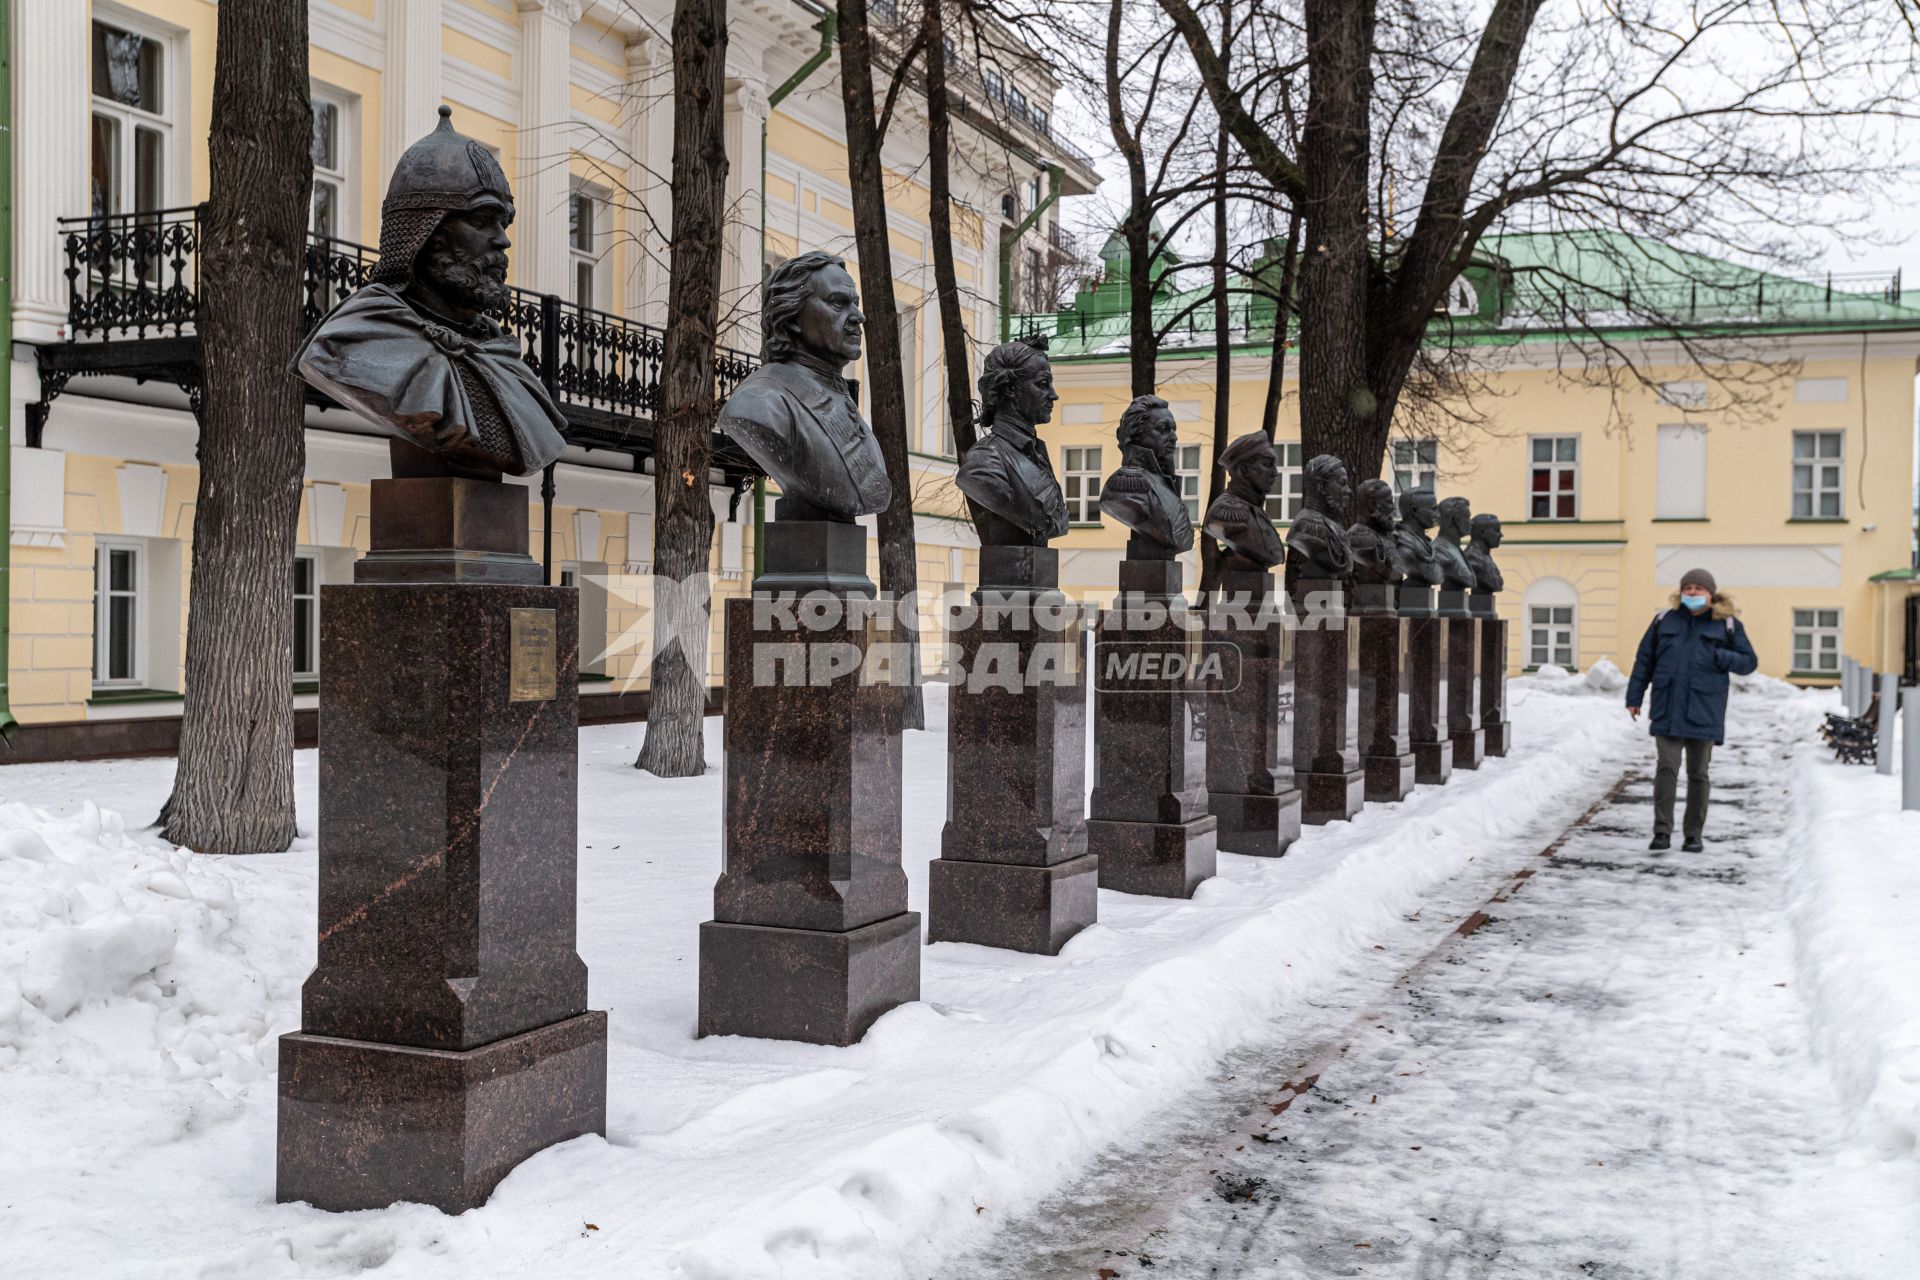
(1685, 659)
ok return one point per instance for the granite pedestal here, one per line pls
(811, 937)
(1463, 711)
(1425, 656)
(1386, 757)
(1495, 729)
(1013, 869)
(1325, 766)
(1250, 790)
(1147, 819)
(445, 1034)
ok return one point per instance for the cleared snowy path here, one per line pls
(1610, 1078)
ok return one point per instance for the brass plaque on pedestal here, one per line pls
(534, 655)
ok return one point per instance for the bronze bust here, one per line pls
(1007, 476)
(417, 351)
(1485, 536)
(1317, 546)
(1144, 494)
(1376, 558)
(795, 415)
(1456, 516)
(1418, 514)
(1238, 517)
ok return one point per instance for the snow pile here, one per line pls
(1854, 890)
(1602, 679)
(109, 943)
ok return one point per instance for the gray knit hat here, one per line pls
(1698, 578)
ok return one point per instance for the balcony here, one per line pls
(133, 310)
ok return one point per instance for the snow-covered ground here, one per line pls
(141, 991)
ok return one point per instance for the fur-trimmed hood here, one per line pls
(1723, 606)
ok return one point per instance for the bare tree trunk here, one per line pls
(683, 515)
(946, 280)
(233, 790)
(1222, 346)
(1339, 412)
(899, 576)
(1282, 313)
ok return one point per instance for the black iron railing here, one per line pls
(137, 276)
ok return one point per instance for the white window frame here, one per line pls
(170, 122)
(1190, 472)
(1811, 626)
(1546, 634)
(592, 257)
(1289, 493)
(1080, 482)
(103, 549)
(1813, 468)
(313, 615)
(1404, 459)
(341, 176)
(1556, 467)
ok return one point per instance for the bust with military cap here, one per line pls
(417, 351)
(795, 415)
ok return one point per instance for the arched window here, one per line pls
(1552, 608)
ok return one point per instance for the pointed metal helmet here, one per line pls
(442, 173)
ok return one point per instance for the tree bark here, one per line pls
(946, 280)
(233, 789)
(1282, 313)
(1222, 346)
(899, 576)
(683, 513)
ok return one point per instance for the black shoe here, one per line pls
(1692, 845)
(1661, 842)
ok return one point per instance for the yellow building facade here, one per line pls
(111, 113)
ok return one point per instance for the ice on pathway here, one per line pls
(140, 1097)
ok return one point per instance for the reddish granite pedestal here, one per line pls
(1463, 660)
(1425, 640)
(1495, 728)
(811, 937)
(1250, 789)
(1147, 820)
(445, 1034)
(1325, 765)
(1013, 869)
(1385, 756)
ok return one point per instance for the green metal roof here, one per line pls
(1535, 287)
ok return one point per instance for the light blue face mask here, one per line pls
(1696, 603)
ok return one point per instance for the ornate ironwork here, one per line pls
(133, 274)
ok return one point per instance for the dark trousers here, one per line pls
(1666, 778)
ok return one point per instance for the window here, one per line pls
(1415, 464)
(1816, 474)
(1190, 480)
(583, 213)
(1816, 641)
(1680, 472)
(331, 212)
(1040, 121)
(1009, 206)
(1080, 483)
(1290, 485)
(1550, 635)
(118, 575)
(1554, 483)
(131, 128)
(306, 618)
(996, 85)
(1016, 102)
(1033, 193)
(886, 10)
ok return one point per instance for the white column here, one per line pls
(410, 79)
(540, 190)
(50, 94)
(649, 179)
(746, 122)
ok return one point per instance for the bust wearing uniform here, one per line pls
(795, 415)
(1007, 476)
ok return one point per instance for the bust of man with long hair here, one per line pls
(1008, 476)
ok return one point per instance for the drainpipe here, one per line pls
(1010, 238)
(828, 25)
(7, 723)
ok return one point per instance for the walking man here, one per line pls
(1685, 658)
